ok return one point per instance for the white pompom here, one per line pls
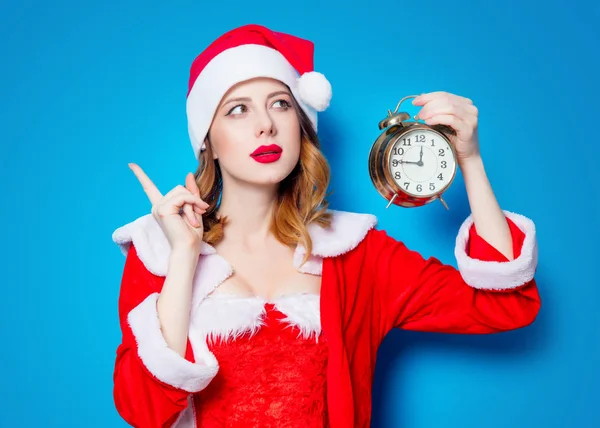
(315, 90)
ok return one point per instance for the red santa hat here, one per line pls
(244, 53)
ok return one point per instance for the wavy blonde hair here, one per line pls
(301, 194)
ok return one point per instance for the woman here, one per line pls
(245, 301)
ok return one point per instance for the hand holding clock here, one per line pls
(457, 112)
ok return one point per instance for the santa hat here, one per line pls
(244, 53)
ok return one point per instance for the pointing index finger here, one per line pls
(151, 190)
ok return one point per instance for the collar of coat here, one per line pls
(346, 231)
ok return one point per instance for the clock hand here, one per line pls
(419, 162)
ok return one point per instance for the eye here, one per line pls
(283, 104)
(238, 109)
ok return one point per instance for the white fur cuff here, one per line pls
(163, 362)
(492, 275)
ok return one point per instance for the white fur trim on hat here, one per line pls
(242, 63)
(315, 90)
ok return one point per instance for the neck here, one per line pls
(249, 210)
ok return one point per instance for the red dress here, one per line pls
(370, 284)
(272, 369)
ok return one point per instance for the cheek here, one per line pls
(229, 140)
(291, 126)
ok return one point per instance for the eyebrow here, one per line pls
(247, 99)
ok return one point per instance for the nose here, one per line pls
(265, 124)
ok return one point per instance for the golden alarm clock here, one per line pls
(411, 163)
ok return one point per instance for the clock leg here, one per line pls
(391, 201)
(443, 202)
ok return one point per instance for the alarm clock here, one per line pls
(411, 163)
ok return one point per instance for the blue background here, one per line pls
(87, 87)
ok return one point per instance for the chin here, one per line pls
(272, 173)
(272, 177)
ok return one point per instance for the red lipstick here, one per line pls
(267, 154)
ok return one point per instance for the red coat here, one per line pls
(371, 283)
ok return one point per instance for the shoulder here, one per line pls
(150, 242)
(346, 231)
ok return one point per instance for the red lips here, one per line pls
(270, 149)
(267, 154)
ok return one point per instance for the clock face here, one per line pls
(422, 163)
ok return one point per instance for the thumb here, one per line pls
(190, 183)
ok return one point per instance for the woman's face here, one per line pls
(255, 133)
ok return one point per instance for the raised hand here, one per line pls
(179, 212)
(459, 113)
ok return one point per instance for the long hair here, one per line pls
(301, 195)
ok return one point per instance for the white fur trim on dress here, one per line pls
(226, 317)
(492, 275)
(160, 360)
(150, 242)
(302, 311)
(346, 231)
(211, 270)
